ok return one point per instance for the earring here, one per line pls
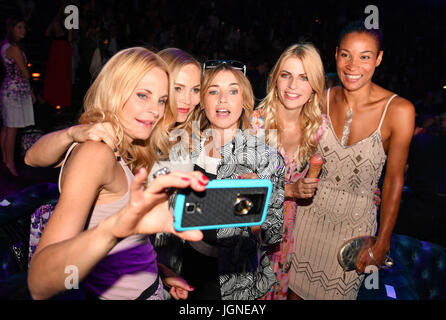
(118, 157)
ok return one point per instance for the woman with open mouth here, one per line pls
(230, 263)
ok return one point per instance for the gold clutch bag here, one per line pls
(349, 251)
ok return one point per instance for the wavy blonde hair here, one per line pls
(311, 114)
(198, 116)
(247, 98)
(110, 91)
(176, 59)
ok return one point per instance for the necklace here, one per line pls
(347, 123)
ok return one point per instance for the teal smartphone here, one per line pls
(224, 204)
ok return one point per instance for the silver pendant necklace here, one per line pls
(347, 123)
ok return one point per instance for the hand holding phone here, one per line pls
(224, 204)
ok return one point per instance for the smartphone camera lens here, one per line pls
(242, 206)
(190, 207)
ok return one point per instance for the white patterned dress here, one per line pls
(342, 209)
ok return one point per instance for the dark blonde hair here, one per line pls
(245, 86)
(110, 91)
(311, 115)
(176, 59)
(199, 116)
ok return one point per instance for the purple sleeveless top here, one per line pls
(130, 267)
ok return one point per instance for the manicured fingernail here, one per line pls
(239, 177)
(191, 288)
(202, 183)
(204, 178)
(185, 179)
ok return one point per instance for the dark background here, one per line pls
(256, 32)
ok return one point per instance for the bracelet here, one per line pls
(373, 257)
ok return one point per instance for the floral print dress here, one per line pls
(15, 94)
(279, 254)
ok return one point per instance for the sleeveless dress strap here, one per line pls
(384, 112)
(65, 160)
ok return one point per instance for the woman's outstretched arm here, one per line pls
(49, 150)
(64, 243)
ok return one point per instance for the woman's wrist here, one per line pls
(382, 243)
(69, 134)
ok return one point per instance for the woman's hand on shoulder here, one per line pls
(94, 132)
(147, 211)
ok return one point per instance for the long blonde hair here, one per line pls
(311, 114)
(199, 116)
(176, 59)
(110, 91)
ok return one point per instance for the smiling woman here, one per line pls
(101, 201)
(292, 109)
(355, 61)
(368, 126)
(186, 72)
(145, 106)
(137, 104)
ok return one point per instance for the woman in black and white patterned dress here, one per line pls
(230, 263)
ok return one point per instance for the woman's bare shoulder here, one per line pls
(12, 51)
(401, 115)
(92, 156)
